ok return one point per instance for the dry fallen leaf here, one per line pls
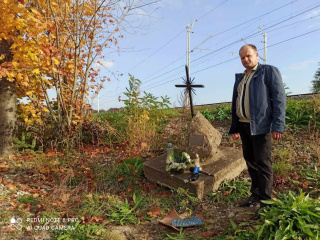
(121, 179)
(24, 187)
(4, 167)
(155, 212)
(210, 234)
(144, 145)
(14, 204)
(89, 195)
(65, 197)
(10, 186)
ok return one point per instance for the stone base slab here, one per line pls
(228, 164)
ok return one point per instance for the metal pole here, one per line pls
(188, 46)
(188, 43)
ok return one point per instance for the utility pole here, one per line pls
(265, 45)
(188, 44)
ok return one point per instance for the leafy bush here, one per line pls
(143, 114)
(298, 113)
(291, 217)
(25, 144)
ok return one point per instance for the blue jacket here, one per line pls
(267, 100)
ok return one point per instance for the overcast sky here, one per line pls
(157, 54)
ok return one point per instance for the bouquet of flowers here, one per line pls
(177, 161)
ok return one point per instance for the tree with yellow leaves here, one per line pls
(54, 45)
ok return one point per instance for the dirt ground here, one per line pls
(18, 179)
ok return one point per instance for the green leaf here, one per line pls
(261, 231)
(233, 224)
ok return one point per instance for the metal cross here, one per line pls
(188, 84)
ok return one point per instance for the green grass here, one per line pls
(182, 235)
(231, 191)
(85, 231)
(282, 167)
(26, 199)
(218, 113)
(118, 176)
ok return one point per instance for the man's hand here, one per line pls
(276, 135)
(236, 136)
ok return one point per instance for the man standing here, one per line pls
(258, 114)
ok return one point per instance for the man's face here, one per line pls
(249, 57)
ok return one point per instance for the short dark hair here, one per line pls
(249, 45)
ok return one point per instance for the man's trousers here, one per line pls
(257, 153)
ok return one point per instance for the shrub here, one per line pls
(291, 217)
(143, 114)
(298, 113)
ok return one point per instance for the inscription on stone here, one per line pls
(196, 140)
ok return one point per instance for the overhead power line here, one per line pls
(157, 50)
(293, 38)
(212, 10)
(255, 18)
(173, 37)
(228, 45)
(256, 33)
(294, 23)
(272, 45)
(141, 6)
(274, 10)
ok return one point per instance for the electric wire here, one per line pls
(297, 22)
(173, 37)
(229, 60)
(252, 35)
(256, 33)
(272, 45)
(224, 48)
(213, 10)
(156, 51)
(274, 10)
(167, 44)
(254, 18)
(141, 6)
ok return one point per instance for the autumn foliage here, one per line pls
(57, 47)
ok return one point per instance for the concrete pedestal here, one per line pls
(227, 164)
